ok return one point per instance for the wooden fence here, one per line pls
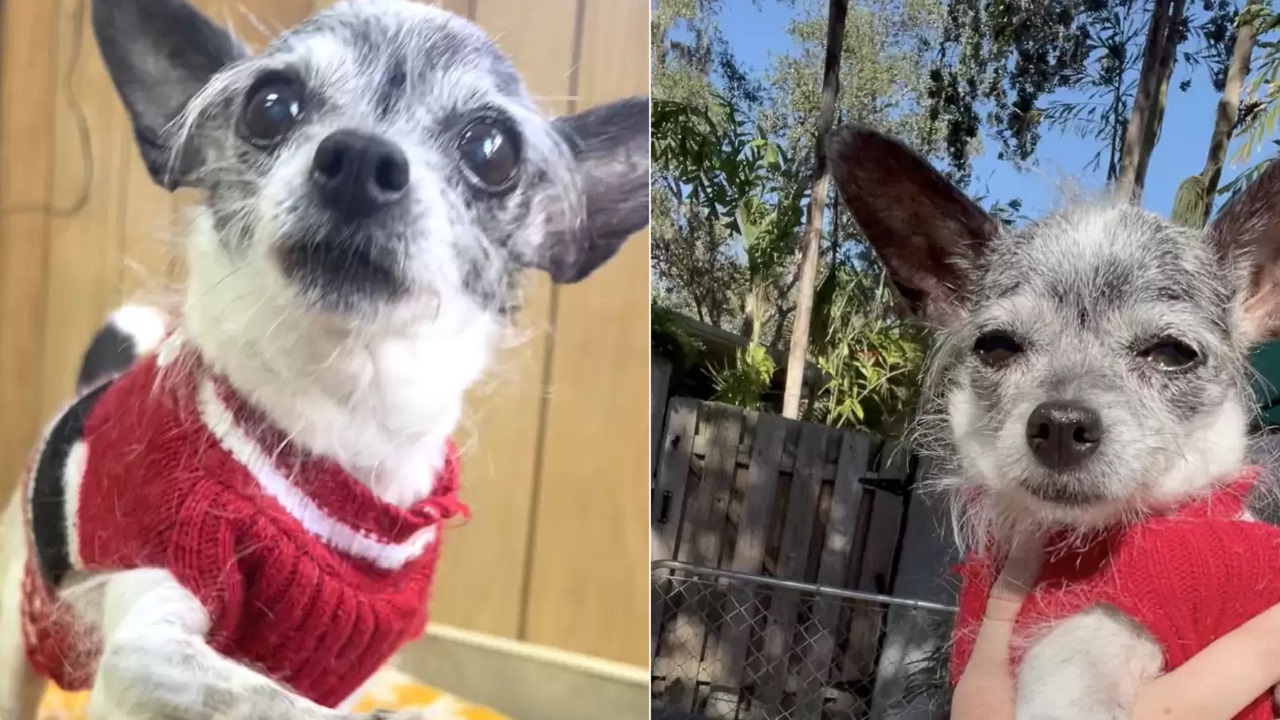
(759, 494)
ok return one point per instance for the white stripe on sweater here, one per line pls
(72, 475)
(332, 531)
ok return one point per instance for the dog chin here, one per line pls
(1073, 511)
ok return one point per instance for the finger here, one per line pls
(1019, 574)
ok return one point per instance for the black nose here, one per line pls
(1063, 434)
(357, 174)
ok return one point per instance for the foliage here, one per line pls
(1002, 64)
(1259, 109)
(733, 182)
(1190, 205)
(745, 382)
(884, 72)
(1105, 83)
(668, 339)
(1246, 178)
(871, 357)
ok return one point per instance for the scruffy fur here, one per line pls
(1100, 302)
(356, 331)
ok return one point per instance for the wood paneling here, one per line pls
(555, 465)
(507, 411)
(31, 53)
(594, 475)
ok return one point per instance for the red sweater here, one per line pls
(1189, 577)
(306, 575)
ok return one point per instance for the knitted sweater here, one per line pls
(1188, 577)
(306, 575)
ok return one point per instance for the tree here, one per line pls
(1163, 37)
(797, 358)
(736, 180)
(1228, 111)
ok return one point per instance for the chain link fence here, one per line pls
(733, 646)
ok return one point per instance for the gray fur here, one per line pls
(415, 75)
(1087, 292)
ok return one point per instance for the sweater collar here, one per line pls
(328, 500)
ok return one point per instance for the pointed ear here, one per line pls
(160, 53)
(1246, 235)
(611, 146)
(925, 231)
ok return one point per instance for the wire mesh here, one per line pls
(732, 646)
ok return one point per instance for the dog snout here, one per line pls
(1063, 434)
(357, 174)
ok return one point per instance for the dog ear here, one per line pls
(160, 53)
(924, 229)
(1246, 234)
(611, 146)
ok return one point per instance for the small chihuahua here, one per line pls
(239, 517)
(1089, 384)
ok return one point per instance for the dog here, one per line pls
(374, 182)
(1088, 389)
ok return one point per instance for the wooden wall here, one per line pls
(556, 468)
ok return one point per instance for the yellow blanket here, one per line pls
(389, 690)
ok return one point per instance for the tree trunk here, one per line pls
(1155, 119)
(1144, 99)
(1224, 120)
(797, 359)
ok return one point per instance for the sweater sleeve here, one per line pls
(1189, 586)
(203, 558)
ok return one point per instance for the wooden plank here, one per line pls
(33, 53)
(877, 562)
(589, 537)
(91, 139)
(702, 531)
(669, 491)
(742, 614)
(701, 536)
(801, 510)
(855, 454)
(503, 419)
(152, 238)
(667, 510)
(928, 552)
(660, 370)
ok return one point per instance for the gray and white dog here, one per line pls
(1091, 369)
(374, 181)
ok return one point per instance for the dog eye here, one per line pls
(1170, 354)
(273, 109)
(996, 348)
(490, 154)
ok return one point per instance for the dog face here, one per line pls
(1091, 364)
(380, 155)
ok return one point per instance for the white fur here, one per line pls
(1088, 666)
(155, 662)
(379, 398)
(145, 325)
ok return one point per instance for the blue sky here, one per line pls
(758, 33)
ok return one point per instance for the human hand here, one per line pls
(985, 690)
